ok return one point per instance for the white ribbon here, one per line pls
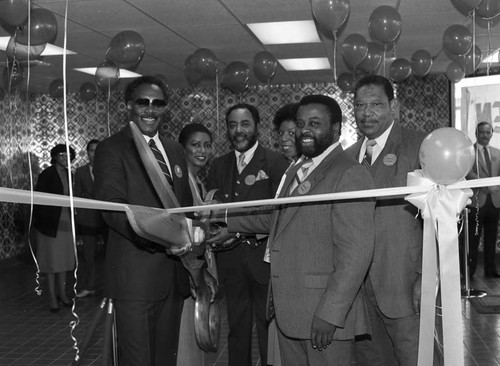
(440, 208)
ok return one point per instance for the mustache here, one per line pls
(149, 115)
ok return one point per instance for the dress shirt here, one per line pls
(377, 149)
(159, 145)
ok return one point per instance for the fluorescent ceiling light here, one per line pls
(303, 64)
(302, 31)
(491, 58)
(124, 73)
(50, 49)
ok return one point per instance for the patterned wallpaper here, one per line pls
(35, 124)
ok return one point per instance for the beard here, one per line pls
(319, 145)
(246, 144)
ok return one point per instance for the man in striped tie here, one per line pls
(147, 285)
(389, 151)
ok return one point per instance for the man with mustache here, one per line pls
(250, 172)
(146, 284)
(389, 151)
(319, 251)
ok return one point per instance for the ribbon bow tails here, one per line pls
(440, 208)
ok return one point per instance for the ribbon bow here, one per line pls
(440, 208)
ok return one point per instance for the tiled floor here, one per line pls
(30, 335)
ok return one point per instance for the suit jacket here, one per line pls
(46, 218)
(84, 187)
(320, 252)
(475, 173)
(247, 186)
(398, 237)
(132, 271)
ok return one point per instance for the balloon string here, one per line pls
(38, 289)
(489, 49)
(73, 324)
(335, 41)
(217, 99)
(383, 61)
(473, 42)
(108, 109)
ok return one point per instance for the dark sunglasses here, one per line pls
(155, 103)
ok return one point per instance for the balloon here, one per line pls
(400, 69)
(373, 57)
(205, 62)
(193, 75)
(385, 24)
(421, 62)
(13, 76)
(18, 51)
(457, 39)
(56, 88)
(235, 77)
(446, 155)
(346, 81)
(264, 66)
(43, 28)
(330, 14)
(107, 75)
(354, 49)
(14, 12)
(470, 62)
(454, 72)
(126, 49)
(488, 9)
(469, 4)
(88, 91)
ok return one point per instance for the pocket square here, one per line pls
(261, 175)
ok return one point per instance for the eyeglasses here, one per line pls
(290, 133)
(372, 106)
(155, 103)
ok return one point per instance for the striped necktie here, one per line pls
(241, 163)
(161, 162)
(301, 174)
(367, 159)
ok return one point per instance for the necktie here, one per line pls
(241, 163)
(161, 162)
(367, 159)
(487, 160)
(301, 173)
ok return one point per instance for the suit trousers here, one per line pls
(486, 220)
(148, 331)
(244, 298)
(394, 341)
(89, 247)
(299, 352)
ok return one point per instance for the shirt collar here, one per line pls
(318, 159)
(248, 154)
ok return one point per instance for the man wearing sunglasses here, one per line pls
(146, 285)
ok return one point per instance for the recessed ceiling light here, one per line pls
(491, 58)
(50, 49)
(303, 64)
(301, 31)
(124, 73)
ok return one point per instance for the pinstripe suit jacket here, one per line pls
(320, 252)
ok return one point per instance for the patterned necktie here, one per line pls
(241, 163)
(161, 162)
(487, 160)
(301, 173)
(367, 159)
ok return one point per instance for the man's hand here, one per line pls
(179, 251)
(321, 333)
(220, 238)
(417, 291)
